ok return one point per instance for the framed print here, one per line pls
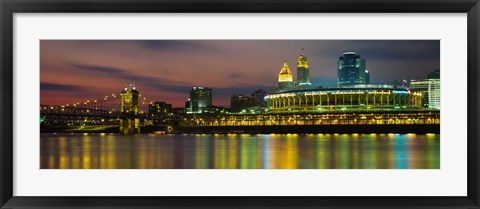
(196, 104)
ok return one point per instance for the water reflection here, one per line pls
(234, 151)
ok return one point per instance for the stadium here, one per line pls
(347, 98)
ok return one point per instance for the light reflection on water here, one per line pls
(240, 151)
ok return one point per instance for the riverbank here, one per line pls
(298, 129)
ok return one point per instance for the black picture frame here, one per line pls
(10, 7)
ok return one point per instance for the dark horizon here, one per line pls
(75, 70)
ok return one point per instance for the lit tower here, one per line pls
(351, 70)
(129, 120)
(303, 72)
(285, 78)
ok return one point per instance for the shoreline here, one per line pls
(284, 129)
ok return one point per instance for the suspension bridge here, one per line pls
(127, 109)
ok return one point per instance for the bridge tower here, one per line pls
(129, 119)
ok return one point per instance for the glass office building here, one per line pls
(351, 70)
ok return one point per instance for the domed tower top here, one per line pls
(285, 69)
(285, 74)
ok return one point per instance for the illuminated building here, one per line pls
(129, 120)
(338, 99)
(351, 70)
(200, 100)
(303, 71)
(239, 103)
(285, 78)
(160, 112)
(334, 118)
(430, 88)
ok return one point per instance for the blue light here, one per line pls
(399, 92)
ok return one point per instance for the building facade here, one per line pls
(200, 99)
(303, 71)
(285, 78)
(341, 99)
(160, 112)
(430, 88)
(351, 70)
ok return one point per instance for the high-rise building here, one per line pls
(239, 103)
(259, 97)
(285, 78)
(351, 69)
(200, 99)
(303, 71)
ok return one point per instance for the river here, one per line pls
(240, 151)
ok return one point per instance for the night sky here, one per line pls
(165, 70)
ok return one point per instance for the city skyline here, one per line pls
(167, 70)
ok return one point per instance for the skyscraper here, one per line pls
(351, 70)
(285, 78)
(200, 99)
(303, 71)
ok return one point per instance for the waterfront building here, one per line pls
(160, 112)
(342, 99)
(316, 119)
(200, 99)
(351, 70)
(239, 103)
(303, 71)
(430, 88)
(285, 78)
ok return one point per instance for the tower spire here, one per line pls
(285, 69)
(303, 74)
